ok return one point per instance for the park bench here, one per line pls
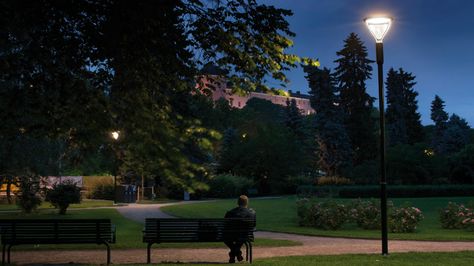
(178, 230)
(16, 232)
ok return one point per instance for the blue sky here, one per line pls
(432, 39)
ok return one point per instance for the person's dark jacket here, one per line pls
(240, 212)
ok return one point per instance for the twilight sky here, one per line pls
(432, 39)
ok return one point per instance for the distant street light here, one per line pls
(378, 27)
(115, 136)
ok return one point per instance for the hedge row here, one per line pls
(393, 191)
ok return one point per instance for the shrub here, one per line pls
(404, 219)
(227, 186)
(366, 213)
(454, 216)
(63, 194)
(101, 188)
(333, 180)
(28, 195)
(326, 215)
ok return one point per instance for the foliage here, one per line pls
(333, 180)
(101, 189)
(63, 61)
(404, 219)
(403, 120)
(462, 166)
(28, 196)
(352, 70)
(452, 216)
(440, 118)
(326, 215)
(274, 155)
(456, 135)
(333, 145)
(366, 213)
(63, 194)
(229, 186)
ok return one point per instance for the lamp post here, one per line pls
(115, 136)
(378, 27)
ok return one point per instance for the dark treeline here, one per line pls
(72, 72)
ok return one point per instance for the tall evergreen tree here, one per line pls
(440, 118)
(403, 120)
(334, 148)
(294, 120)
(353, 69)
(456, 136)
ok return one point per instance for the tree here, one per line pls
(334, 149)
(294, 120)
(353, 69)
(456, 136)
(132, 65)
(64, 194)
(403, 120)
(440, 118)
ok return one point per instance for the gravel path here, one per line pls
(311, 246)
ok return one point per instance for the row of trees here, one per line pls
(346, 127)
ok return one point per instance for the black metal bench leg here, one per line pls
(246, 251)
(3, 254)
(108, 253)
(148, 253)
(8, 254)
(250, 249)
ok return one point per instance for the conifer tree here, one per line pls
(294, 120)
(353, 69)
(334, 148)
(403, 120)
(440, 118)
(456, 135)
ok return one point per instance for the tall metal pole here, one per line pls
(383, 180)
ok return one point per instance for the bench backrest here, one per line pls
(198, 230)
(60, 231)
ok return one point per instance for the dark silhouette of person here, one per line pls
(242, 211)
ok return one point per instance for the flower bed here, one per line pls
(457, 216)
(332, 215)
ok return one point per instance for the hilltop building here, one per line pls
(218, 88)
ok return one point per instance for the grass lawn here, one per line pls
(279, 214)
(465, 258)
(46, 205)
(129, 233)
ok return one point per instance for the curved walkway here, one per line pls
(311, 246)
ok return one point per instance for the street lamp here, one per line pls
(378, 27)
(115, 136)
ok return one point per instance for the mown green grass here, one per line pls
(128, 232)
(46, 205)
(465, 258)
(279, 214)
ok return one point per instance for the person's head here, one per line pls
(243, 201)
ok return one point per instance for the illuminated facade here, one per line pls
(219, 90)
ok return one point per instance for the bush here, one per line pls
(404, 219)
(326, 215)
(228, 186)
(366, 213)
(28, 195)
(63, 194)
(101, 188)
(333, 180)
(455, 216)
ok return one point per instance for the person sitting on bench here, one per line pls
(242, 211)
